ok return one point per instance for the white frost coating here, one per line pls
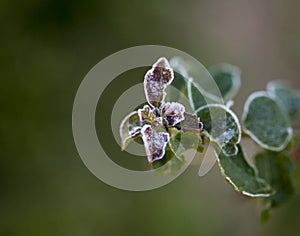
(155, 143)
(229, 104)
(146, 109)
(207, 94)
(176, 64)
(256, 195)
(236, 79)
(245, 114)
(230, 112)
(281, 84)
(173, 113)
(190, 95)
(273, 85)
(125, 139)
(233, 184)
(225, 137)
(157, 88)
(173, 107)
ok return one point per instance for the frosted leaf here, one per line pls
(130, 128)
(191, 123)
(286, 96)
(156, 81)
(266, 122)
(145, 114)
(227, 78)
(155, 142)
(180, 65)
(173, 113)
(222, 127)
(241, 174)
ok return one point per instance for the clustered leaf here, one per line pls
(154, 123)
(267, 119)
(167, 130)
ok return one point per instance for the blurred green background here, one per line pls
(48, 46)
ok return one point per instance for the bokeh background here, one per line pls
(48, 46)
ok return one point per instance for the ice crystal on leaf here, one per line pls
(153, 122)
(156, 80)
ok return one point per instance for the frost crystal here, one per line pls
(155, 142)
(156, 81)
(173, 113)
(153, 122)
(145, 114)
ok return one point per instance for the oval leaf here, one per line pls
(221, 126)
(266, 122)
(227, 77)
(277, 170)
(287, 97)
(196, 98)
(173, 113)
(130, 128)
(182, 141)
(155, 142)
(241, 175)
(156, 81)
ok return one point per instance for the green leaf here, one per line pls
(182, 141)
(168, 165)
(199, 94)
(277, 169)
(264, 215)
(190, 123)
(130, 128)
(266, 122)
(177, 89)
(287, 97)
(241, 175)
(227, 78)
(222, 127)
(178, 144)
(179, 83)
(196, 98)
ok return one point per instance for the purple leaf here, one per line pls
(156, 80)
(191, 123)
(146, 114)
(173, 113)
(155, 142)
